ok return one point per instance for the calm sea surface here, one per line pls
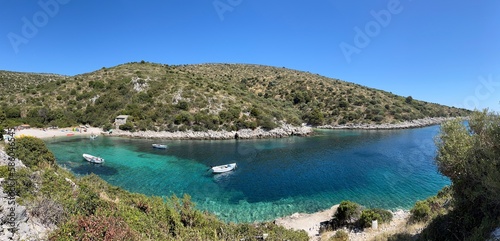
(275, 177)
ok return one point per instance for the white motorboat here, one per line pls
(93, 159)
(159, 146)
(223, 168)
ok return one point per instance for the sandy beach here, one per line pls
(49, 133)
(307, 222)
(311, 224)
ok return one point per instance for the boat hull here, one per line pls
(223, 168)
(159, 146)
(93, 159)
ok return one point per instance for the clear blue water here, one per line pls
(275, 177)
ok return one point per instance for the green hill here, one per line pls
(202, 97)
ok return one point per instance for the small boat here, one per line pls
(223, 168)
(159, 146)
(92, 137)
(93, 159)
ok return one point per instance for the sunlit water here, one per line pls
(275, 177)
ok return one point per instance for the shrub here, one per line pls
(33, 152)
(267, 124)
(386, 216)
(347, 213)
(315, 117)
(340, 235)
(107, 127)
(49, 212)
(21, 184)
(127, 127)
(183, 118)
(255, 112)
(421, 211)
(367, 216)
(182, 105)
(95, 228)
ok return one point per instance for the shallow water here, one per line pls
(275, 177)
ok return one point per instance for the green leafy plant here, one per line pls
(33, 152)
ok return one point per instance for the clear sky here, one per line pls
(445, 51)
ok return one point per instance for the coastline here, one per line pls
(50, 133)
(418, 123)
(285, 130)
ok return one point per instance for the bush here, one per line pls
(386, 216)
(421, 211)
(315, 117)
(22, 185)
(340, 235)
(87, 201)
(367, 216)
(33, 152)
(95, 228)
(127, 127)
(347, 213)
(107, 127)
(49, 212)
(182, 105)
(267, 124)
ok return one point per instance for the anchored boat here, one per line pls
(159, 146)
(223, 168)
(93, 159)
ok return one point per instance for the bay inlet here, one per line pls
(388, 169)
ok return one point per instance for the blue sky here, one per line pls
(446, 52)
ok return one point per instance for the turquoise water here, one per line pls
(275, 177)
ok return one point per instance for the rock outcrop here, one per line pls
(401, 125)
(284, 131)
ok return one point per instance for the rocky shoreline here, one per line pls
(429, 121)
(284, 131)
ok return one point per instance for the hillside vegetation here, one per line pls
(201, 97)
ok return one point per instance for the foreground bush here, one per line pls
(95, 228)
(469, 156)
